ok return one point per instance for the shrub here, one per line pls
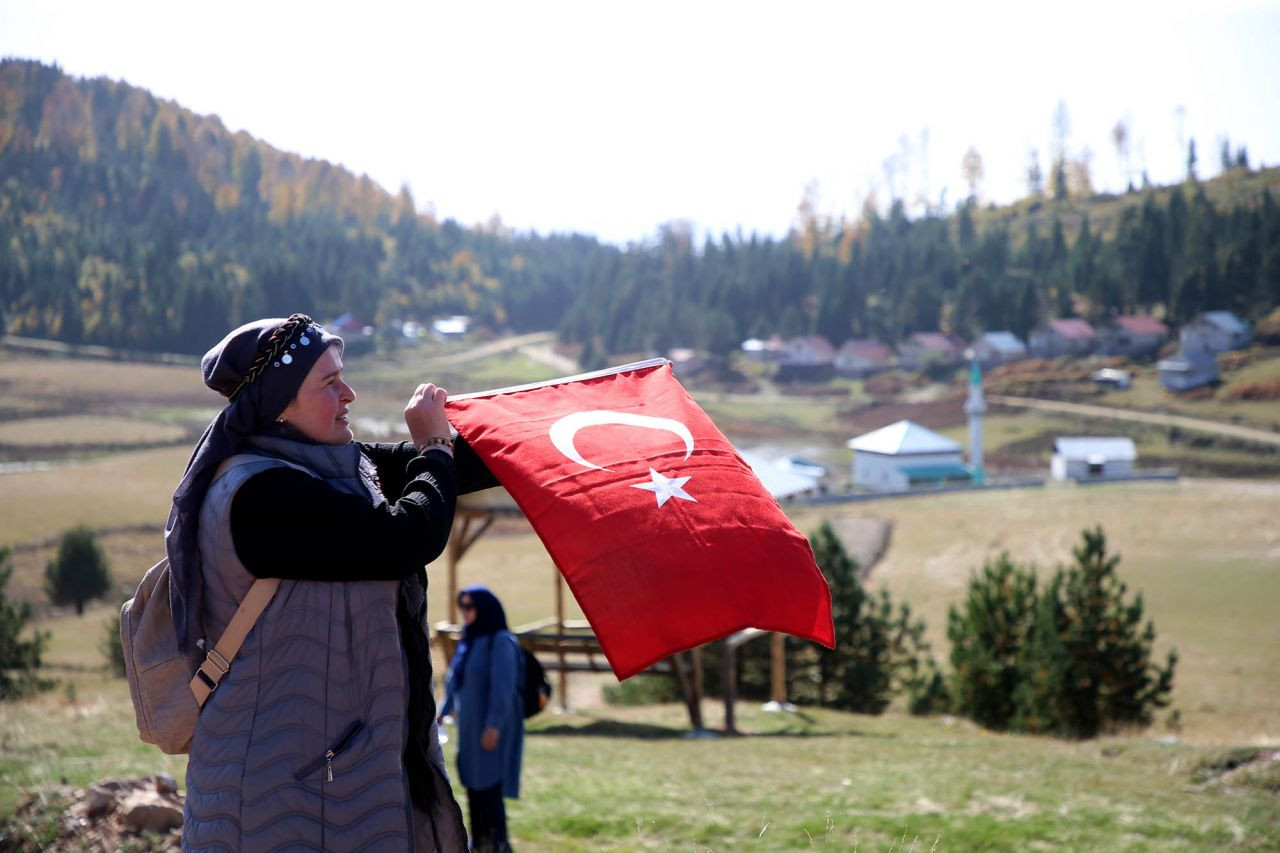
(643, 689)
(19, 658)
(79, 572)
(1256, 390)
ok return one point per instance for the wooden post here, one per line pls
(457, 545)
(778, 670)
(695, 655)
(686, 690)
(564, 670)
(729, 684)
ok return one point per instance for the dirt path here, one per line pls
(544, 354)
(532, 339)
(1181, 421)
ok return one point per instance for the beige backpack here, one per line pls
(167, 686)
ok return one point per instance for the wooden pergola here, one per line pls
(570, 645)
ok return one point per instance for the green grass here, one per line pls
(629, 780)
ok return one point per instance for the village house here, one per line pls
(861, 357)
(1133, 335)
(758, 351)
(687, 362)
(808, 359)
(1071, 336)
(1215, 331)
(994, 348)
(1190, 368)
(928, 349)
(1089, 458)
(782, 479)
(903, 455)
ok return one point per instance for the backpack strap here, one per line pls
(217, 662)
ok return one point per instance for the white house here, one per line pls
(998, 348)
(1088, 458)
(760, 351)
(1189, 369)
(903, 455)
(807, 358)
(1215, 331)
(780, 478)
(455, 326)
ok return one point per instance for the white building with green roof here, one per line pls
(905, 455)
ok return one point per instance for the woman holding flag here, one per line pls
(322, 732)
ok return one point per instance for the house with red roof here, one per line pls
(862, 357)
(1069, 336)
(926, 349)
(1134, 335)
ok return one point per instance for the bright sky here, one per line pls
(611, 117)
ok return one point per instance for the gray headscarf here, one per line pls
(259, 367)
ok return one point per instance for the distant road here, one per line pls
(1090, 411)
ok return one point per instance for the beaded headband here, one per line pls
(276, 350)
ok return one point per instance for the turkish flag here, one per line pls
(665, 536)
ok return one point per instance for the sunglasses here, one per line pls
(466, 605)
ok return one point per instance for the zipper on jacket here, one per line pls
(326, 760)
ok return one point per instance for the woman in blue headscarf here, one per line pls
(483, 691)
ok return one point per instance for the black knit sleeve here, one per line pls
(392, 460)
(287, 524)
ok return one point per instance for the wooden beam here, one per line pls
(564, 670)
(729, 685)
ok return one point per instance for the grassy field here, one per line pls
(1205, 554)
(1147, 393)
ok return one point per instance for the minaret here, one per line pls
(974, 407)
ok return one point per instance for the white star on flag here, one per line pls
(665, 488)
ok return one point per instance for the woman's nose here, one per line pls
(348, 393)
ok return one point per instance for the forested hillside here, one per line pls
(127, 220)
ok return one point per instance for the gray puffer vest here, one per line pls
(301, 744)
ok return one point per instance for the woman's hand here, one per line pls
(424, 413)
(489, 740)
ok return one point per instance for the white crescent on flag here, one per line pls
(562, 432)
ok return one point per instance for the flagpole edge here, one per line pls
(564, 380)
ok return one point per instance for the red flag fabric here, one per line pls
(665, 536)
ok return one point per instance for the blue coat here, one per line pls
(489, 696)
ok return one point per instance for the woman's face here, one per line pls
(319, 411)
(468, 609)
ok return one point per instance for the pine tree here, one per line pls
(19, 657)
(879, 651)
(79, 572)
(988, 632)
(1088, 666)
